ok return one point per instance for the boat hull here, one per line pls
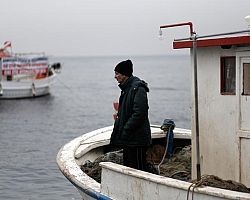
(133, 184)
(26, 88)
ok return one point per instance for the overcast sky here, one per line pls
(112, 27)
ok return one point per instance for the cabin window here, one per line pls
(246, 78)
(228, 70)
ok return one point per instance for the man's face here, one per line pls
(120, 77)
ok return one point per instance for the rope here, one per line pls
(195, 184)
(72, 91)
(178, 172)
(63, 83)
(165, 153)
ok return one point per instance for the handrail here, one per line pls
(214, 35)
(190, 24)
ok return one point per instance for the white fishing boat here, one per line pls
(25, 75)
(220, 131)
(92, 145)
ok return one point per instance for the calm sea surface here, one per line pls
(33, 130)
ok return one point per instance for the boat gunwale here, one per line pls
(68, 166)
(66, 160)
(170, 182)
(71, 170)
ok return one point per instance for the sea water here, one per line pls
(33, 130)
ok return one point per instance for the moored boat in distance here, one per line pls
(25, 75)
(220, 132)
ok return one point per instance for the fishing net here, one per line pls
(94, 170)
(177, 166)
(215, 181)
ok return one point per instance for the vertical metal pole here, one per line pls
(198, 168)
(0, 70)
(1, 87)
(194, 39)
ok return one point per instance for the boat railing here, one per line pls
(29, 54)
(214, 35)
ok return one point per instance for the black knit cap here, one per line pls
(125, 68)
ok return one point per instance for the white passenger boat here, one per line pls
(25, 75)
(220, 131)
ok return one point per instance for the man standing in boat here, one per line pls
(131, 128)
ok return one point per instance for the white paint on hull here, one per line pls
(24, 89)
(133, 184)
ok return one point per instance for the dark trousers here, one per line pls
(135, 157)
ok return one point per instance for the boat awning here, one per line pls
(225, 41)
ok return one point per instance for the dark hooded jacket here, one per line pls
(131, 127)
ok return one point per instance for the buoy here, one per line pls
(33, 89)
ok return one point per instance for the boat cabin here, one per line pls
(223, 88)
(15, 66)
(25, 75)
